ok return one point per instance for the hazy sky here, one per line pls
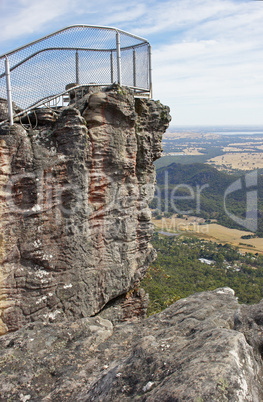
(207, 54)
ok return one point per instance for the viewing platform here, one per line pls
(46, 70)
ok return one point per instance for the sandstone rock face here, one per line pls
(203, 348)
(4, 109)
(75, 224)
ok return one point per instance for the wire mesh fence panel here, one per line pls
(128, 40)
(79, 54)
(43, 75)
(142, 67)
(95, 67)
(2, 78)
(127, 67)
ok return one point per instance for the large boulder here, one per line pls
(203, 348)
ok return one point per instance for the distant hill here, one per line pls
(198, 189)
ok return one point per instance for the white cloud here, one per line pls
(29, 16)
(175, 15)
(207, 55)
(123, 13)
(213, 71)
(32, 20)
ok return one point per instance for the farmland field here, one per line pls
(238, 161)
(213, 231)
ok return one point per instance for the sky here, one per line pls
(207, 54)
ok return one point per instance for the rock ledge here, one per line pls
(206, 347)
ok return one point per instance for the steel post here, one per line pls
(118, 48)
(77, 67)
(8, 91)
(134, 68)
(111, 67)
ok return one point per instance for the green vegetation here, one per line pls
(248, 237)
(198, 189)
(178, 272)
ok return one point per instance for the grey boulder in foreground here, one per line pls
(206, 347)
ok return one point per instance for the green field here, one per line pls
(178, 272)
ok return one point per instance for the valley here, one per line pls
(208, 217)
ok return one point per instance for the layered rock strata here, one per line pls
(75, 224)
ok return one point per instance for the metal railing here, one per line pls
(79, 55)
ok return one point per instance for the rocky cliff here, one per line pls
(74, 244)
(75, 225)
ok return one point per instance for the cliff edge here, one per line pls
(75, 224)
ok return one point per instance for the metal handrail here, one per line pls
(74, 26)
